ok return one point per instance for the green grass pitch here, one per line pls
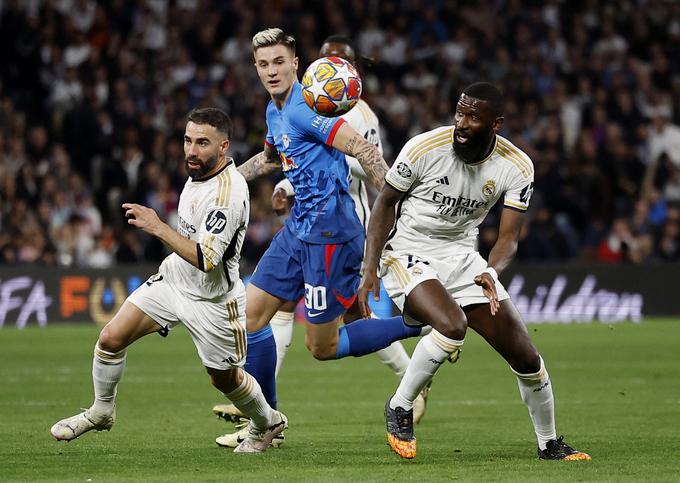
(617, 391)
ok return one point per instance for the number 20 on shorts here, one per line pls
(315, 297)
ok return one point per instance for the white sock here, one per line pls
(395, 357)
(107, 370)
(536, 392)
(249, 399)
(428, 356)
(282, 326)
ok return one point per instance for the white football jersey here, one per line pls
(364, 121)
(214, 213)
(446, 199)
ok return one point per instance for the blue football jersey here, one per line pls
(323, 211)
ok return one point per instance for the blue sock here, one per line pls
(261, 362)
(366, 336)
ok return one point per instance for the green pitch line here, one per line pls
(617, 390)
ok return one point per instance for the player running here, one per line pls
(197, 285)
(318, 253)
(443, 184)
(362, 118)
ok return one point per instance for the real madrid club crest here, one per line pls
(489, 189)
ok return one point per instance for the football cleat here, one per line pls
(420, 404)
(400, 435)
(232, 440)
(228, 412)
(70, 428)
(557, 449)
(257, 441)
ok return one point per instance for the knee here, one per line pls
(225, 381)
(111, 340)
(527, 363)
(321, 352)
(452, 326)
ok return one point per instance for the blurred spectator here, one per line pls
(93, 97)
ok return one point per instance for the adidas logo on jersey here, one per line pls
(444, 180)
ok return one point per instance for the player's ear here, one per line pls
(498, 123)
(224, 147)
(295, 63)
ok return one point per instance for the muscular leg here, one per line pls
(507, 334)
(282, 327)
(261, 359)
(393, 356)
(128, 325)
(325, 341)
(108, 364)
(430, 303)
(245, 393)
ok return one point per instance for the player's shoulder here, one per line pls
(515, 157)
(361, 113)
(230, 187)
(425, 143)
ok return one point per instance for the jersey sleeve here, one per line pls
(320, 128)
(405, 171)
(269, 139)
(518, 196)
(218, 230)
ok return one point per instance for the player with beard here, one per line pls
(422, 241)
(197, 285)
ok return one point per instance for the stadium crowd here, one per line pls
(93, 99)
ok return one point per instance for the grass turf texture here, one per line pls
(617, 391)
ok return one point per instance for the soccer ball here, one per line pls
(331, 86)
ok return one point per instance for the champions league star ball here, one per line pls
(331, 86)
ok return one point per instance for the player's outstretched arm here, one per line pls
(501, 255)
(263, 163)
(351, 142)
(379, 226)
(147, 220)
(505, 248)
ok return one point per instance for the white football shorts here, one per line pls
(401, 273)
(217, 327)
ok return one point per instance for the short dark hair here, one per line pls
(216, 118)
(273, 36)
(341, 39)
(487, 92)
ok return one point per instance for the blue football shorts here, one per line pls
(326, 274)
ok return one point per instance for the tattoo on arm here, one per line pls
(262, 163)
(370, 159)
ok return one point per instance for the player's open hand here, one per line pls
(369, 283)
(142, 217)
(488, 285)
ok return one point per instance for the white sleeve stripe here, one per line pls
(427, 149)
(429, 139)
(515, 205)
(510, 152)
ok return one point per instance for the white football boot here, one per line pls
(257, 441)
(232, 440)
(70, 428)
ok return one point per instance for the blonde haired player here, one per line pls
(443, 184)
(364, 121)
(197, 285)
